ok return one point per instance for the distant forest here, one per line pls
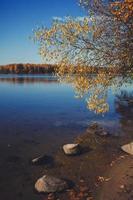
(47, 68)
(27, 68)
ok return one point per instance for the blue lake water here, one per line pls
(41, 101)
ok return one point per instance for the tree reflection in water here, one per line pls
(124, 106)
(28, 79)
(95, 87)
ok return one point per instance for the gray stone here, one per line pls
(49, 184)
(128, 148)
(71, 149)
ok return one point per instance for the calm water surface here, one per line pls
(36, 102)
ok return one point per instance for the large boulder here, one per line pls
(71, 149)
(49, 184)
(128, 148)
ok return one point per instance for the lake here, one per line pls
(32, 103)
(38, 115)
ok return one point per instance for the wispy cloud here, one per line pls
(78, 18)
(58, 18)
(81, 18)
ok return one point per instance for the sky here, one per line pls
(17, 20)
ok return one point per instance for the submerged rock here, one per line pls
(128, 148)
(101, 132)
(71, 149)
(43, 160)
(49, 184)
(94, 125)
(97, 129)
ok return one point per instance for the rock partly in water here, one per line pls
(128, 148)
(71, 149)
(43, 160)
(49, 184)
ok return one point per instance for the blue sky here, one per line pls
(17, 20)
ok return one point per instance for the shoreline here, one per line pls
(120, 184)
(90, 165)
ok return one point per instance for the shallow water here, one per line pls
(37, 115)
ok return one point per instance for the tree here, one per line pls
(103, 39)
(119, 17)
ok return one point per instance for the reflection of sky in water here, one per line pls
(47, 103)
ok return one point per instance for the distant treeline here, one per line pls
(27, 68)
(49, 68)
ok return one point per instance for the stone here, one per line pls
(128, 148)
(97, 129)
(48, 184)
(71, 149)
(43, 160)
(101, 132)
(94, 125)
